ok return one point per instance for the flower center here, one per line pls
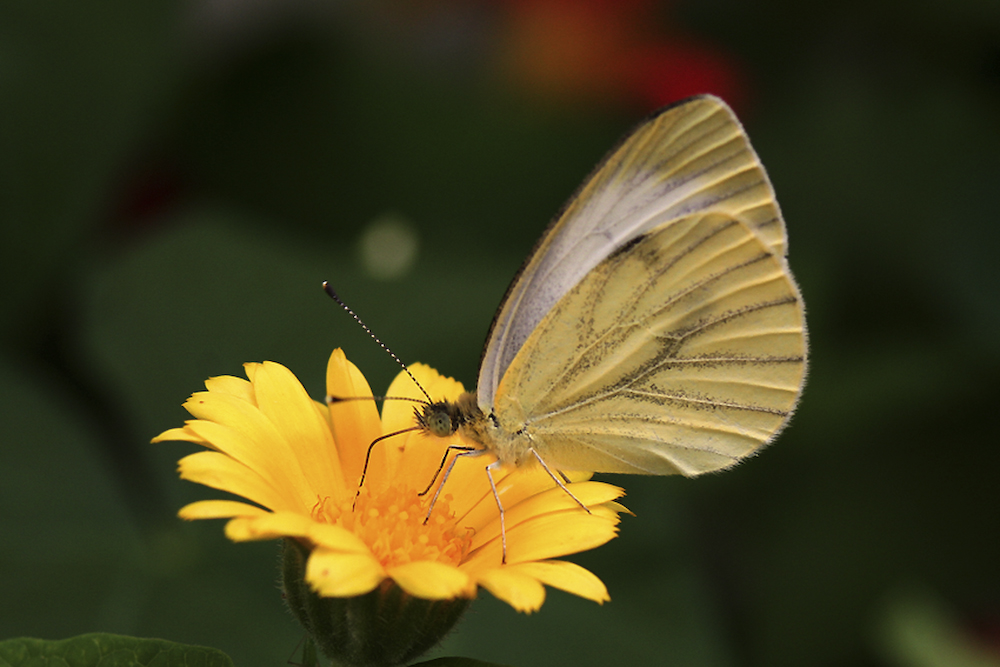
(392, 525)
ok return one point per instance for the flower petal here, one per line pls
(260, 457)
(397, 415)
(548, 536)
(356, 423)
(558, 534)
(182, 434)
(218, 509)
(566, 576)
(273, 525)
(415, 461)
(269, 526)
(525, 494)
(474, 503)
(336, 538)
(222, 472)
(250, 368)
(476, 506)
(386, 467)
(282, 399)
(618, 508)
(521, 591)
(431, 580)
(333, 574)
(262, 447)
(233, 386)
(417, 457)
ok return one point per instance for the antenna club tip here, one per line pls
(328, 288)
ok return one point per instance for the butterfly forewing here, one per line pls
(682, 353)
(690, 158)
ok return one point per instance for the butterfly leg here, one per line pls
(469, 451)
(462, 451)
(557, 481)
(503, 524)
(448, 450)
(368, 456)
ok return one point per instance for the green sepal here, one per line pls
(108, 650)
(384, 628)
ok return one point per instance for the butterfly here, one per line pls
(656, 327)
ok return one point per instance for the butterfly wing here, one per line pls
(682, 353)
(688, 158)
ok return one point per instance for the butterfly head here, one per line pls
(445, 418)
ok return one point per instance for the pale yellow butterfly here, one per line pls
(656, 328)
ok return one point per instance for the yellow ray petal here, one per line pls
(181, 434)
(388, 465)
(415, 458)
(555, 499)
(520, 591)
(264, 456)
(416, 461)
(222, 472)
(323, 412)
(431, 580)
(618, 508)
(218, 509)
(609, 511)
(440, 387)
(336, 538)
(566, 576)
(478, 504)
(398, 415)
(334, 574)
(557, 534)
(519, 505)
(282, 399)
(268, 526)
(230, 410)
(266, 446)
(356, 423)
(233, 386)
(250, 368)
(548, 536)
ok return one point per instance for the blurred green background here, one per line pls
(176, 179)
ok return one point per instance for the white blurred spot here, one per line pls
(388, 246)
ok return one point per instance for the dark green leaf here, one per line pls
(105, 650)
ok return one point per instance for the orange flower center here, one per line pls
(392, 525)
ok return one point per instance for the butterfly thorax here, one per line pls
(465, 417)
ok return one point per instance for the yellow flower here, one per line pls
(300, 461)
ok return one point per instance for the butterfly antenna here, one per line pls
(333, 295)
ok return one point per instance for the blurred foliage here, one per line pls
(106, 650)
(176, 179)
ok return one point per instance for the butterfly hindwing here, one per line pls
(682, 353)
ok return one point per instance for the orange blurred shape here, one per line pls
(608, 51)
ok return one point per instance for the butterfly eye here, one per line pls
(437, 421)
